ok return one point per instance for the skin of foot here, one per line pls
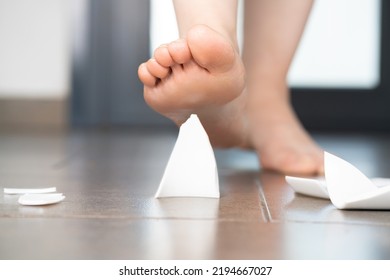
(203, 73)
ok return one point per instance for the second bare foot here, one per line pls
(279, 138)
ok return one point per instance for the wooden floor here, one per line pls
(109, 179)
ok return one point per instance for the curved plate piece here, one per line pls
(41, 199)
(345, 185)
(192, 169)
(315, 186)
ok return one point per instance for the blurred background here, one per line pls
(74, 63)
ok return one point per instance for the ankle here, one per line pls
(268, 91)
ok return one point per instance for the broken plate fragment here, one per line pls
(345, 185)
(192, 169)
(41, 199)
(315, 186)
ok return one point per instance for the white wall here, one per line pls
(34, 48)
(340, 46)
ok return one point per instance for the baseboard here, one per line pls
(33, 113)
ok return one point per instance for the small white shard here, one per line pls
(345, 185)
(29, 190)
(41, 199)
(192, 169)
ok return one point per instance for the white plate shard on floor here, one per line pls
(349, 188)
(192, 169)
(41, 199)
(29, 190)
(309, 186)
(346, 186)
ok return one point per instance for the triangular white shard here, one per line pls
(191, 170)
(345, 185)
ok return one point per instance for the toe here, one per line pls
(292, 162)
(163, 57)
(180, 51)
(157, 69)
(303, 164)
(145, 76)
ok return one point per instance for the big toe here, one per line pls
(210, 49)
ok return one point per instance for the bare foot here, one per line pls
(203, 74)
(279, 138)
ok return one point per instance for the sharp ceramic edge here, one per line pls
(345, 185)
(192, 169)
(349, 188)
